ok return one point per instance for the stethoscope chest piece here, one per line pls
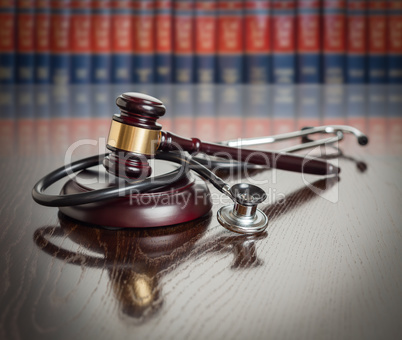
(244, 217)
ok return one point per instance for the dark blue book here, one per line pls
(394, 19)
(356, 59)
(80, 41)
(183, 48)
(144, 42)
(205, 41)
(230, 42)
(308, 42)
(284, 42)
(377, 42)
(164, 41)
(101, 42)
(257, 45)
(25, 41)
(60, 20)
(334, 41)
(42, 42)
(7, 41)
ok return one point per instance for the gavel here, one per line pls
(135, 137)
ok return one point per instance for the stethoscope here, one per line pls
(134, 129)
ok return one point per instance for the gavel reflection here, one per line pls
(137, 259)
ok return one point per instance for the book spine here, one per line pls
(60, 111)
(164, 41)
(230, 42)
(284, 42)
(394, 19)
(42, 42)
(7, 119)
(42, 119)
(377, 118)
(101, 41)
(377, 47)
(334, 41)
(60, 42)
(183, 31)
(25, 105)
(334, 105)
(284, 110)
(356, 68)
(80, 35)
(205, 41)
(257, 44)
(25, 41)
(394, 119)
(205, 120)
(144, 31)
(308, 42)
(308, 105)
(257, 110)
(7, 42)
(356, 102)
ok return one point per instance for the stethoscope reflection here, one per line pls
(138, 259)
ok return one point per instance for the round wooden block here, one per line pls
(184, 200)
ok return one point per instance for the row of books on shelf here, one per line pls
(200, 41)
(50, 117)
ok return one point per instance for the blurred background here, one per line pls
(224, 69)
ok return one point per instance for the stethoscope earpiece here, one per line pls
(244, 217)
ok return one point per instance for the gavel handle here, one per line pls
(269, 159)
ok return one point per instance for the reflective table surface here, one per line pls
(329, 264)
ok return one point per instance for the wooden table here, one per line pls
(328, 266)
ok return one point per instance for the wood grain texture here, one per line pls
(328, 267)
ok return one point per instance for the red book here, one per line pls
(7, 41)
(394, 42)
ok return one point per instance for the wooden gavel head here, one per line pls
(134, 135)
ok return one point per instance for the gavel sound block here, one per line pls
(133, 140)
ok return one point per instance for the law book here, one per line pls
(284, 42)
(60, 106)
(144, 42)
(25, 41)
(164, 41)
(283, 111)
(229, 108)
(230, 42)
(257, 111)
(42, 119)
(205, 112)
(308, 105)
(257, 42)
(81, 121)
(102, 108)
(377, 44)
(334, 41)
(334, 108)
(394, 43)
(101, 41)
(164, 92)
(7, 41)
(25, 110)
(7, 119)
(377, 117)
(183, 110)
(183, 32)
(80, 35)
(356, 40)
(356, 106)
(308, 42)
(394, 118)
(42, 42)
(60, 20)
(205, 41)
